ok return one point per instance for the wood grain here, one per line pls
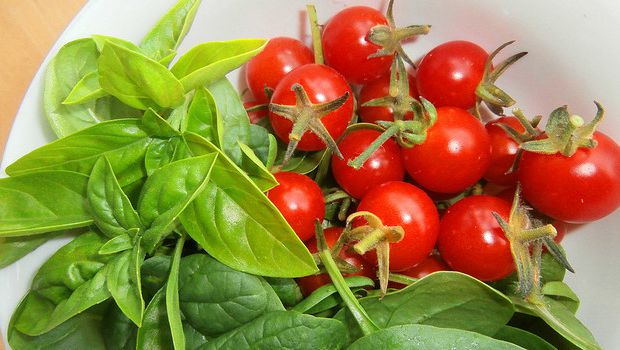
(28, 29)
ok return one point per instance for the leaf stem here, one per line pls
(316, 35)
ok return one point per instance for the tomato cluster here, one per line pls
(453, 159)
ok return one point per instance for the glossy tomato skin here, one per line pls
(322, 84)
(300, 201)
(280, 56)
(578, 189)
(503, 151)
(449, 74)
(376, 89)
(346, 46)
(311, 283)
(402, 204)
(471, 241)
(384, 165)
(455, 155)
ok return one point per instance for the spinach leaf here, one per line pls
(155, 331)
(423, 337)
(523, 338)
(110, 207)
(164, 38)
(137, 80)
(168, 191)
(329, 292)
(15, 248)
(26, 209)
(563, 293)
(83, 329)
(155, 271)
(70, 282)
(287, 290)
(442, 299)
(122, 141)
(209, 62)
(123, 282)
(202, 117)
(172, 299)
(87, 89)
(119, 332)
(283, 330)
(216, 299)
(235, 223)
(193, 339)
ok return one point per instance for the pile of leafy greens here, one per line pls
(160, 178)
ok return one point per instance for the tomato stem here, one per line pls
(316, 35)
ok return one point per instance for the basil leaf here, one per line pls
(27, 210)
(110, 207)
(123, 142)
(235, 223)
(202, 117)
(216, 299)
(523, 338)
(15, 248)
(157, 126)
(287, 290)
(85, 90)
(423, 337)
(123, 282)
(303, 162)
(442, 299)
(172, 299)
(164, 38)
(261, 176)
(155, 271)
(70, 282)
(162, 152)
(155, 330)
(209, 62)
(117, 244)
(137, 80)
(284, 330)
(168, 191)
(101, 41)
(119, 331)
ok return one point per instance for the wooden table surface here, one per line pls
(28, 29)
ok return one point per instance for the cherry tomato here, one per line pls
(300, 201)
(455, 155)
(384, 165)
(503, 151)
(577, 189)
(346, 46)
(377, 89)
(402, 204)
(471, 241)
(309, 284)
(280, 56)
(257, 115)
(322, 84)
(449, 74)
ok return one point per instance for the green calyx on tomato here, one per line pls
(305, 116)
(566, 133)
(527, 238)
(389, 37)
(374, 236)
(494, 97)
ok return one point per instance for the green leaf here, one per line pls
(117, 244)
(119, 331)
(102, 40)
(551, 270)
(442, 299)
(15, 248)
(235, 222)
(123, 142)
(261, 176)
(168, 191)
(283, 330)
(136, 79)
(167, 34)
(162, 152)
(207, 63)
(287, 290)
(70, 282)
(328, 291)
(123, 282)
(423, 337)
(41, 202)
(562, 293)
(302, 162)
(110, 207)
(202, 117)
(216, 299)
(523, 338)
(172, 299)
(85, 90)
(157, 126)
(155, 271)
(155, 331)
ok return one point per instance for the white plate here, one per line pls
(573, 59)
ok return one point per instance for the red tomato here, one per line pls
(432, 263)
(402, 204)
(300, 201)
(449, 74)
(471, 241)
(577, 189)
(346, 46)
(377, 89)
(455, 155)
(280, 56)
(384, 165)
(503, 151)
(257, 115)
(309, 284)
(322, 84)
